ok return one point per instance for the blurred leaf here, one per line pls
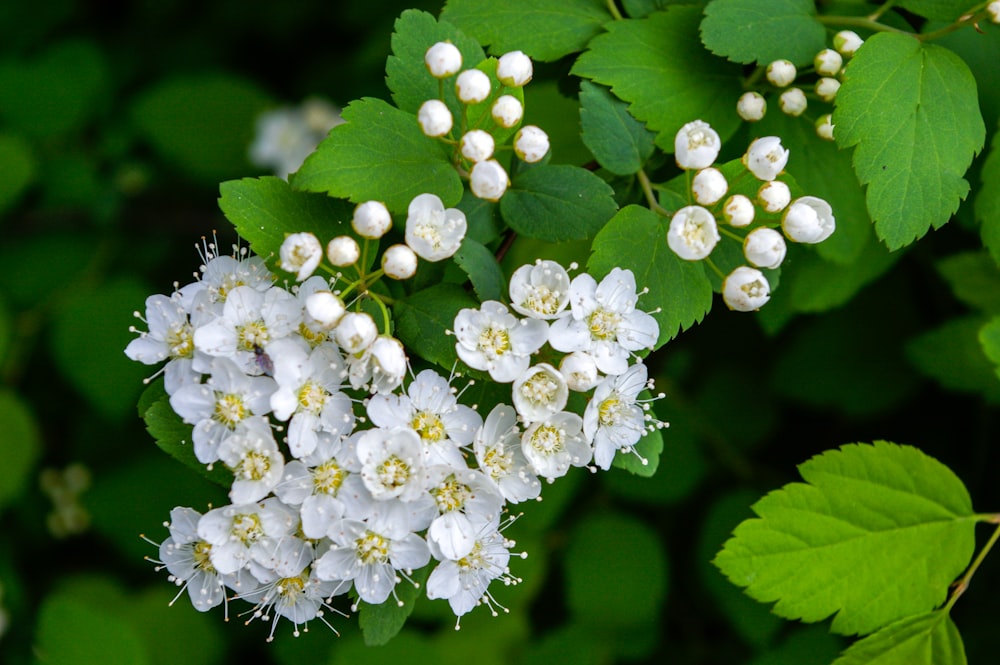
(763, 31)
(735, 404)
(201, 124)
(160, 626)
(640, 8)
(989, 337)
(557, 203)
(987, 202)
(928, 639)
(981, 51)
(21, 449)
(573, 644)
(952, 355)
(942, 10)
(6, 330)
(423, 318)
(648, 448)
(408, 647)
(810, 645)
(381, 623)
(619, 142)
(19, 167)
(40, 266)
(883, 529)
(974, 278)
(484, 272)
(547, 107)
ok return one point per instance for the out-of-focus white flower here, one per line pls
(371, 220)
(433, 231)
(539, 392)
(434, 118)
(696, 145)
(514, 69)
(355, 332)
(443, 59)
(745, 289)
(473, 86)
(381, 368)
(693, 233)
(284, 137)
(766, 157)
(507, 111)
(826, 88)
(580, 371)
(300, 253)
(809, 219)
(764, 248)
(824, 126)
(488, 180)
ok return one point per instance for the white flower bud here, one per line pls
(343, 251)
(824, 127)
(993, 11)
(774, 196)
(507, 111)
(325, 308)
(443, 60)
(709, 186)
(696, 145)
(751, 106)
(477, 145)
(793, 102)
(847, 42)
(693, 233)
(826, 88)
(766, 158)
(514, 69)
(371, 220)
(434, 118)
(488, 180)
(531, 144)
(355, 332)
(399, 262)
(300, 253)
(828, 62)
(745, 289)
(738, 210)
(473, 86)
(764, 248)
(781, 73)
(580, 371)
(809, 219)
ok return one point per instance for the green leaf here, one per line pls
(882, 529)
(556, 203)
(763, 31)
(544, 29)
(17, 163)
(619, 142)
(264, 210)
(989, 338)
(927, 639)
(941, 10)
(952, 355)
(648, 448)
(640, 8)
(483, 270)
(423, 317)
(974, 279)
(658, 65)
(987, 204)
(912, 112)
(636, 239)
(380, 154)
(380, 623)
(22, 446)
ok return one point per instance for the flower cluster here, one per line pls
(284, 137)
(695, 229)
(346, 475)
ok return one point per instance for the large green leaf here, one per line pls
(658, 65)
(21, 449)
(423, 318)
(619, 142)
(912, 112)
(544, 29)
(927, 639)
(381, 154)
(763, 30)
(941, 10)
(974, 279)
(483, 270)
(881, 529)
(989, 337)
(557, 203)
(380, 623)
(987, 204)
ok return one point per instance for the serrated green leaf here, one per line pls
(941, 10)
(558, 202)
(380, 623)
(380, 154)
(483, 270)
(763, 31)
(640, 8)
(987, 204)
(912, 112)
(619, 142)
(882, 529)
(989, 338)
(423, 317)
(648, 448)
(974, 279)
(927, 639)
(952, 355)
(17, 163)
(21, 449)
(658, 65)
(544, 29)
(636, 239)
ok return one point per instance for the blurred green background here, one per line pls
(117, 122)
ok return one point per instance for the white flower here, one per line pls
(355, 332)
(764, 248)
(693, 233)
(434, 118)
(432, 231)
(751, 106)
(477, 145)
(826, 88)
(793, 101)
(514, 69)
(540, 290)
(604, 321)
(696, 145)
(343, 251)
(325, 308)
(824, 126)
(781, 73)
(540, 392)
(170, 337)
(809, 219)
(766, 158)
(580, 371)
(443, 59)
(745, 289)
(492, 339)
(507, 111)
(709, 186)
(324, 492)
(463, 498)
(371, 220)
(531, 144)
(556, 443)
(300, 253)
(380, 368)
(488, 180)
(828, 62)
(847, 42)
(497, 446)
(774, 196)
(299, 598)
(993, 10)
(252, 454)
(738, 210)
(612, 420)
(222, 274)
(472, 86)
(187, 558)
(399, 262)
(392, 465)
(243, 533)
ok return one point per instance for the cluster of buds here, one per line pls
(695, 229)
(475, 144)
(828, 66)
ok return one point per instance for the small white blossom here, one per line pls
(477, 145)
(443, 59)
(809, 219)
(555, 444)
(514, 69)
(540, 290)
(738, 210)
(824, 126)
(612, 419)
(244, 533)
(507, 111)
(497, 446)
(709, 186)
(696, 145)
(371, 220)
(343, 251)
(284, 137)
(781, 73)
(766, 158)
(252, 454)
(539, 392)
(774, 196)
(380, 368)
(464, 497)
(828, 62)
(300, 253)
(847, 42)
(187, 558)
(764, 248)
(473, 86)
(745, 289)
(491, 338)
(580, 371)
(434, 118)
(793, 102)
(432, 231)
(531, 144)
(325, 308)
(488, 180)
(355, 332)
(751, 106)
(399, 262)
(170, 337)
(693, 233)
(392, 463)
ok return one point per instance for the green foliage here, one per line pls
(483, 270)
(988, 200)
(941, 10)
(952, 355)
(619, 142)
(423, 317)
(974, 279)
(556, 203)
(18, 164)
(22, 446)
(911, 112)
(760, 32)
(928, 639)
(380, 623)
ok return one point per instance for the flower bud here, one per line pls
(993, 11)
(793, 102)
(781, 73)
(488, 180)
(580, 371)
(434, 118)
(399, 262)
(696, 145)
(443, 60)
(709, 186)
(693, 233)
(514, 69)
(355, 332)
(745, 289)
(473, 86)
(738, 210)
(847, 42)
(477, 145)
(809, 219)
(774, 196)
(300, 253)
(766, 157)
(751, 106)
(764, 248)
(826, 88)
(371, 220)
(828, 62)
(343, 251)
(824, 127)
(531, 144)
(325, 308)
(507, 111)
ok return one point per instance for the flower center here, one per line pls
(429, 233)
(229, 409)
(252, 335)
(547, 440)
(539, 389)
(473, 559)
(246, 528)
(372, 548)
(494, 341)
(312, 397)
(314, 337)
(253, 466)
(543, 300)
(498, 462)
(291, 588)
(610, 411)
(393, 472)
(328, 477)
(429, 427)
(604, 324)
(180, 341)
(451, 494)
(201, 551)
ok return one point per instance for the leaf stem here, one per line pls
(613, 8)
(861, 22)
(963, 583)
(963, 21)
(880, 12)
(647, 188)
(715, 268)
